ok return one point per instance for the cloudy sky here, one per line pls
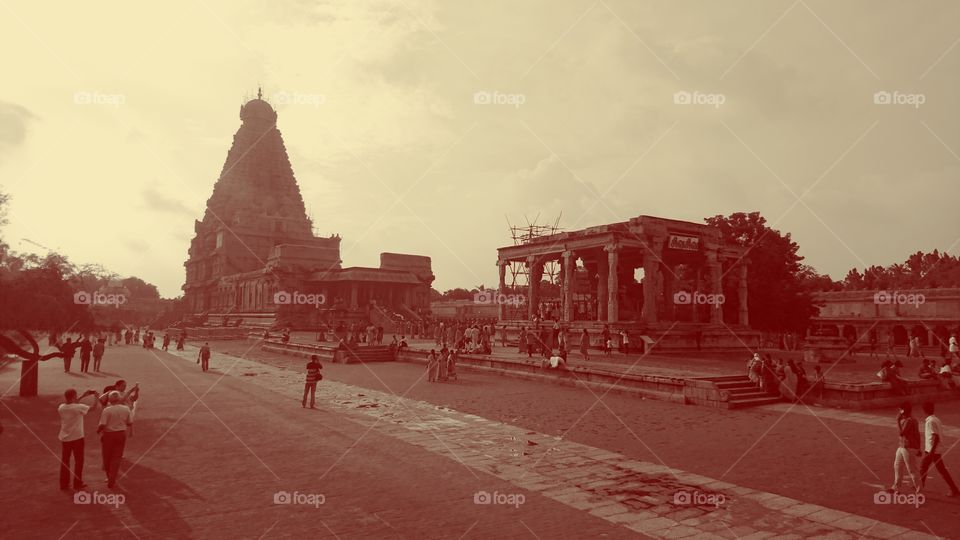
(421, 126)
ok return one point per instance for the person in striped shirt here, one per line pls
(313, 377)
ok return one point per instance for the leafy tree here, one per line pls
(778, 284)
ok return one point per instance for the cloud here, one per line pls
(14, 120)
(159, 201)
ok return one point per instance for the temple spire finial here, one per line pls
(259, 92)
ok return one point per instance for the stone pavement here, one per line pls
(641, 496)
(213, 456)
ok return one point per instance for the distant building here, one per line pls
(254, 254)
(929, 314)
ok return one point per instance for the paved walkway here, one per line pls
(642, 496)
(214, 456)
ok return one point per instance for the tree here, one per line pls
(778, 284)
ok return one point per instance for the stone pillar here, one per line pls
(502, 289)
(696, 288)
(669, 281)
(603, 266)
(353, 296)
(713, 278)
(613, 286)
(569, 271)
(742, 296)
(651, 283)
(535, 273)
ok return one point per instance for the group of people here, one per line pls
(544, 341)
(118, 405)
(442, 368)
(92, 346)
(89, 347)
(912, 450)
(891, 373)
(472, 336)
(788, 379)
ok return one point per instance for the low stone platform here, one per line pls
(729, 391)
(332, 353)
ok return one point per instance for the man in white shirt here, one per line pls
(933, 436)
(115, 419)
(71, 438)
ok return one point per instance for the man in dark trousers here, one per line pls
(313, 377)
(115, 420)
(71, 438)
(204, 357)
(98, 353)
(86, 348)
(933, 431)
(68, 349)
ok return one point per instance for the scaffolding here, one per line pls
(518, 273)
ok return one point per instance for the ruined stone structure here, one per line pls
(255, 256)
(680, 296)
(860, 317)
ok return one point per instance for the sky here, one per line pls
(424, 126)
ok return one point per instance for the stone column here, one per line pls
(353, 296)
(535, 272)
(603, 266)
(696, 288)
(669, 280)
(502, 289)
(713, 278)
(613, 286)
(651, 283)
(569, 271)
(742, 296)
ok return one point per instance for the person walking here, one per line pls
(86, 353)
(585, 345)
(432, 366)
(203, 358)
(442, 365)
(933, 436)
(68, 349)
(115, 420)
(908, 452)
(313, 377)
(71, 437)
(98, 354)
(166, 341)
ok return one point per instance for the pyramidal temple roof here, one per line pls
(257, 178)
